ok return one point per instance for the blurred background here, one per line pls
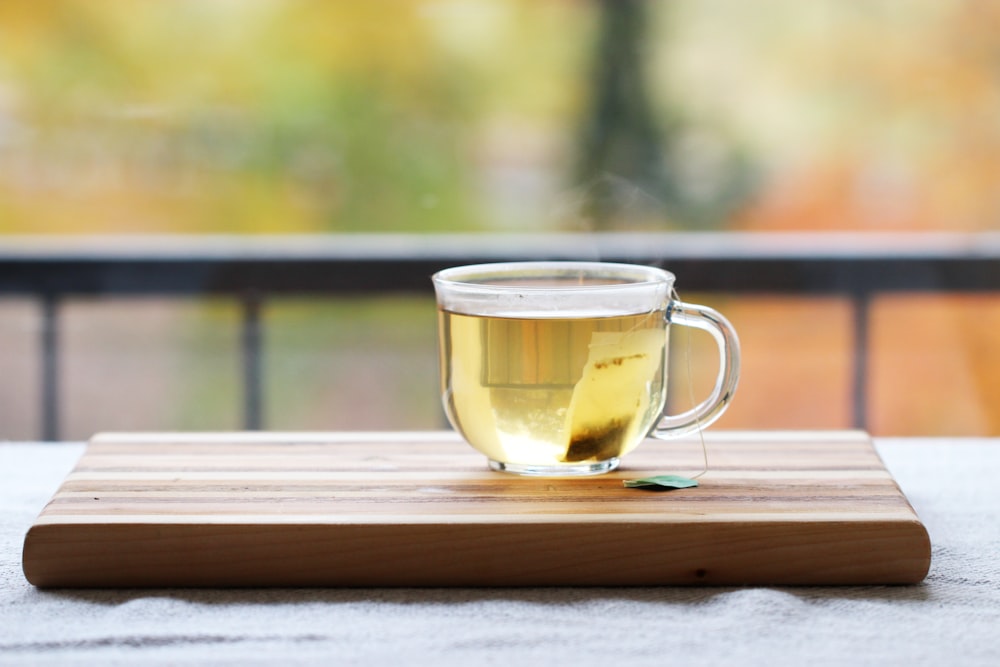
(309, 117)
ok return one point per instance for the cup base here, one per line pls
(569, 470)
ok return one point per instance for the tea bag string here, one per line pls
(690, 390)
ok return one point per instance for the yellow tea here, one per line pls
(553, 391)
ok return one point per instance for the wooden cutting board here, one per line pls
(422, 509)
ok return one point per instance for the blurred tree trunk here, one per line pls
(622, 148)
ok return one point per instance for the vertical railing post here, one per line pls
(49, 349)
(252, 345)
(861, 302)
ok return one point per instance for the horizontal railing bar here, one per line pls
(805, 263)
(719, 244)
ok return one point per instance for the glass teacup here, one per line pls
(560, 368)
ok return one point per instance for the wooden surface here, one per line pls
(421, 509)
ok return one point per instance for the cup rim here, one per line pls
(476, 275)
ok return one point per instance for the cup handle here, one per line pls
(706, 412)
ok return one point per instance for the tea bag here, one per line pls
(612, 397)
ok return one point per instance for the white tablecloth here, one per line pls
(952, 619)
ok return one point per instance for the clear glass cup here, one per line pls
(560, 368)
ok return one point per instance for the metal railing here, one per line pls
(256, 270)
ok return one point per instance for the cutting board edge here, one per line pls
(51, 560)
